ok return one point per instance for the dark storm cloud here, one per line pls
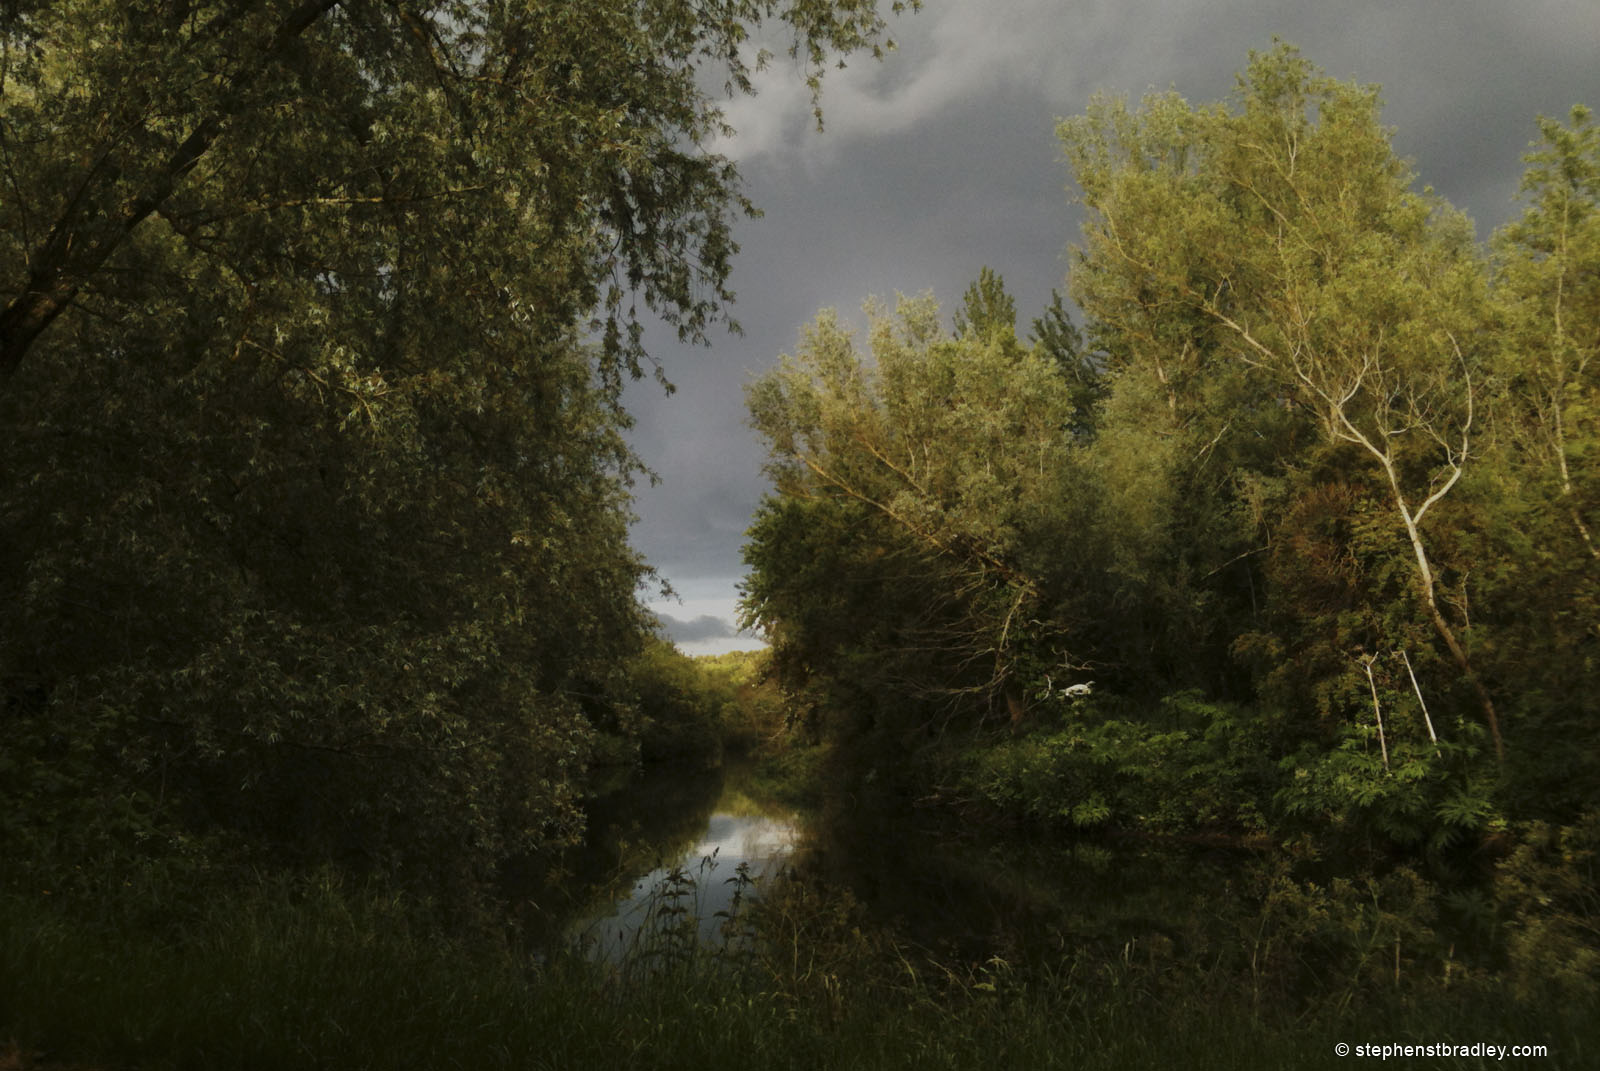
(943, 159)
(704, 627)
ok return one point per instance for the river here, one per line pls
(669, 847)
(670, 842)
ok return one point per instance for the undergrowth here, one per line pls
(316, 974)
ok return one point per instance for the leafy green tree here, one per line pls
(1281, 239)
(1312, 482)
(987, 310)
(1538, 587)
(951, 452)
(388, 644)
(1059, 339)
(681, 702)
(1548, 289)
(868, 628)
(330, 138)
(313, 522)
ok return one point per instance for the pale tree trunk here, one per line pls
(1425, 578)
(1380, 446)
(1442, 626)
(1567, 492)
(1335, 400)
(1558, 432)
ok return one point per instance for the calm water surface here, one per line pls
(670, 846)
(665, 855)
(675, 843)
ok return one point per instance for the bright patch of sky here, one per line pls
(703, 620)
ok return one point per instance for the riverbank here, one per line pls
(899, 936)
(331, 978)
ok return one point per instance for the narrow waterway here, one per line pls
(682, 849)
(673, 854)
(678, 849)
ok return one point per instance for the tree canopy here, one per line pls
(1310, 496)
(1283, 240)
(349, 139)
(942, 447)
(313, 521)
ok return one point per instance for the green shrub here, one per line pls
(1210, 773)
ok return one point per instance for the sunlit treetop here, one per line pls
(240, 125)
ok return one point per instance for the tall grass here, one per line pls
(313, 975)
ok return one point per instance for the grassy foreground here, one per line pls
(317, 977)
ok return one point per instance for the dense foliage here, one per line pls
(693, 708)
(315, 317)
(315, 576)
(1310, 499)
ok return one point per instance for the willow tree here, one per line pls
(314, 317)
(241, 128)
(1281, 235)
(1548, 286)
(952, 455)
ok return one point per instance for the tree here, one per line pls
(1538, 589)
(313, 523)
(386, 644)
(1058, 338)
(987, 310)
(1282, 237)
(239, 128)
(950, 456)
(1548, 290)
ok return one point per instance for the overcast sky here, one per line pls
(942, 159)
